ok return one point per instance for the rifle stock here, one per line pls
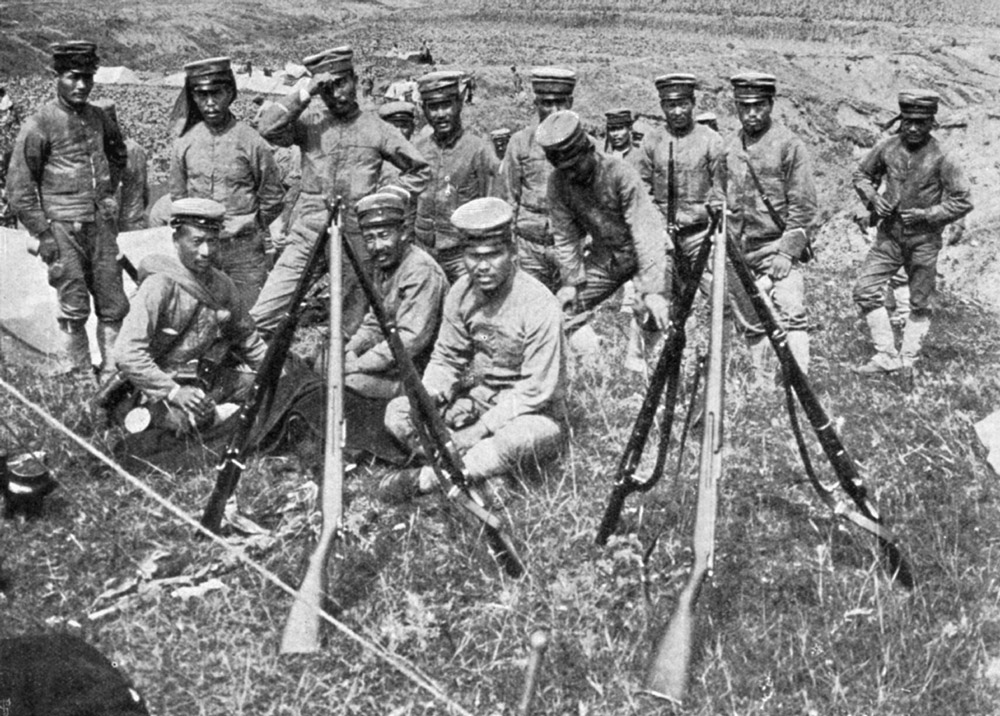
(433, 433)
(670, 668)
(231, 468)
(302, 629)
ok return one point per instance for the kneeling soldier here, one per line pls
(504, 329)
(186, 314)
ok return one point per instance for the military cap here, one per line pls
(211, 71)
(76, 55)
(562, 137)
(205, 213)
(753, 86)
(501, 133)
(918, 103)
(677, 85)
(621, 117)
(439, 85)
(552, 81)
(397, 111)
(27, 475)
(337, 59)
(484, 219)
(383, 207)
(706, 118)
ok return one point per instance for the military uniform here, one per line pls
(234, 166)
(133, 190)
(342, 156)
(463, 167)
(500, 138)
(412, 294)
(620, 119)
(65, 169)
(781, 165)
(924, 179)
(613, 208)
(179, 318)
(510, 341)
(403, 116)
(524, 181)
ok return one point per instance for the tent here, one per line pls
(116, 76)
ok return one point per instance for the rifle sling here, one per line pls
(771, 211)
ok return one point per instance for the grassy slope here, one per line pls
(799, 619)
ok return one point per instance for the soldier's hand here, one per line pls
(882, 206)
(317, 83)
(781, 265)
(108, 208)
(909, 217)
(194, 402)
(659, 309)
(567, 297)
(48, 247)
(954, 233)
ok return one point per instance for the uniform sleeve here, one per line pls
(868, 176)
(270, 190)
(418, 316)
(541, 370)
(567, 234)
(653, 248)
(24, 177)
(646, 164)
(452, 350)
(133, 347)
(178, 170)
(135, 191)
(489, 169)
(414, 172)
(800, 197)
(278, 123)
(717, 169)
(955, 195)
(369, 334)
(508, 185)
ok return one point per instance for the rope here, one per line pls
(405, 668)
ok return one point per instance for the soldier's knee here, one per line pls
(397, 417)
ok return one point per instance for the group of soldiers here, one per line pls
(480, 257)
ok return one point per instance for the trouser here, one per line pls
(539, 260)
(605, 274)
(689, 241)
(524, 443)
(272, 303)
(373, 386)
(243, 260)
(916, 254)
(87, 265)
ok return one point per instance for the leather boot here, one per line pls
(73, 356)
(886, 359)
(761, 362)
(913, 338)
(107, 334)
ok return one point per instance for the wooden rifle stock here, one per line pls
(302, 629)
(432, 431)
(262, 391)
(670, 668)
(539, 641)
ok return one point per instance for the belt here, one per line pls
(686, 232)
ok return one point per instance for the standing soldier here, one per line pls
(463, 168)
(924, 191)
(525, 177)
(133, 191)
(618, 135)
(216, 157)
(500, 138)
(403, 116)
(67, 164)
(772, 205)
(343, 150)
(592, 194)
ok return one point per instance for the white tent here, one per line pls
(116, 76)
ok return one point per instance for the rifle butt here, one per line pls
(506, 553)
(612, 514)
(211, 518)
(670, 669)
(539, 642)
(301, 634)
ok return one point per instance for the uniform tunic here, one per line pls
(461, 170)
(629, 237)
(341, 157)
(782, 166)
(413, 296)
(65, 163)
(512, 345)
(926, 178)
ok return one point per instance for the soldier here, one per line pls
(525, 177)
(618, 135)
(402, 115)
(772, 205)
(133, 192)
(508, 327)
(463, 167)
(924, 191)
(412, 287)
(67, 164)
(500, 138)
(709, 120)
(343, 152)
(217, 157)
(185, 317)
(602, 196)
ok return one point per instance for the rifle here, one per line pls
(669, 671)
(666, 373)
(539, 641)
(302, 629)
(229, 470)
(432, 432)
(864, 514)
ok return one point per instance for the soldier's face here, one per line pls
(196, 245)
(490, 264)
(755, 116)
(679, 113)
(619, 137)
(340, 93)
(443, 115)
(500, 146)
(915, 131)
(385, 244)
(547, 104)
(213, 102)
(74, 87)
(405, 127)
(579, 169)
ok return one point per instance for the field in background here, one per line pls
(800, 619)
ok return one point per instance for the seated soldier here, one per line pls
(498, 364)
(412, 286)
(185, 319)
